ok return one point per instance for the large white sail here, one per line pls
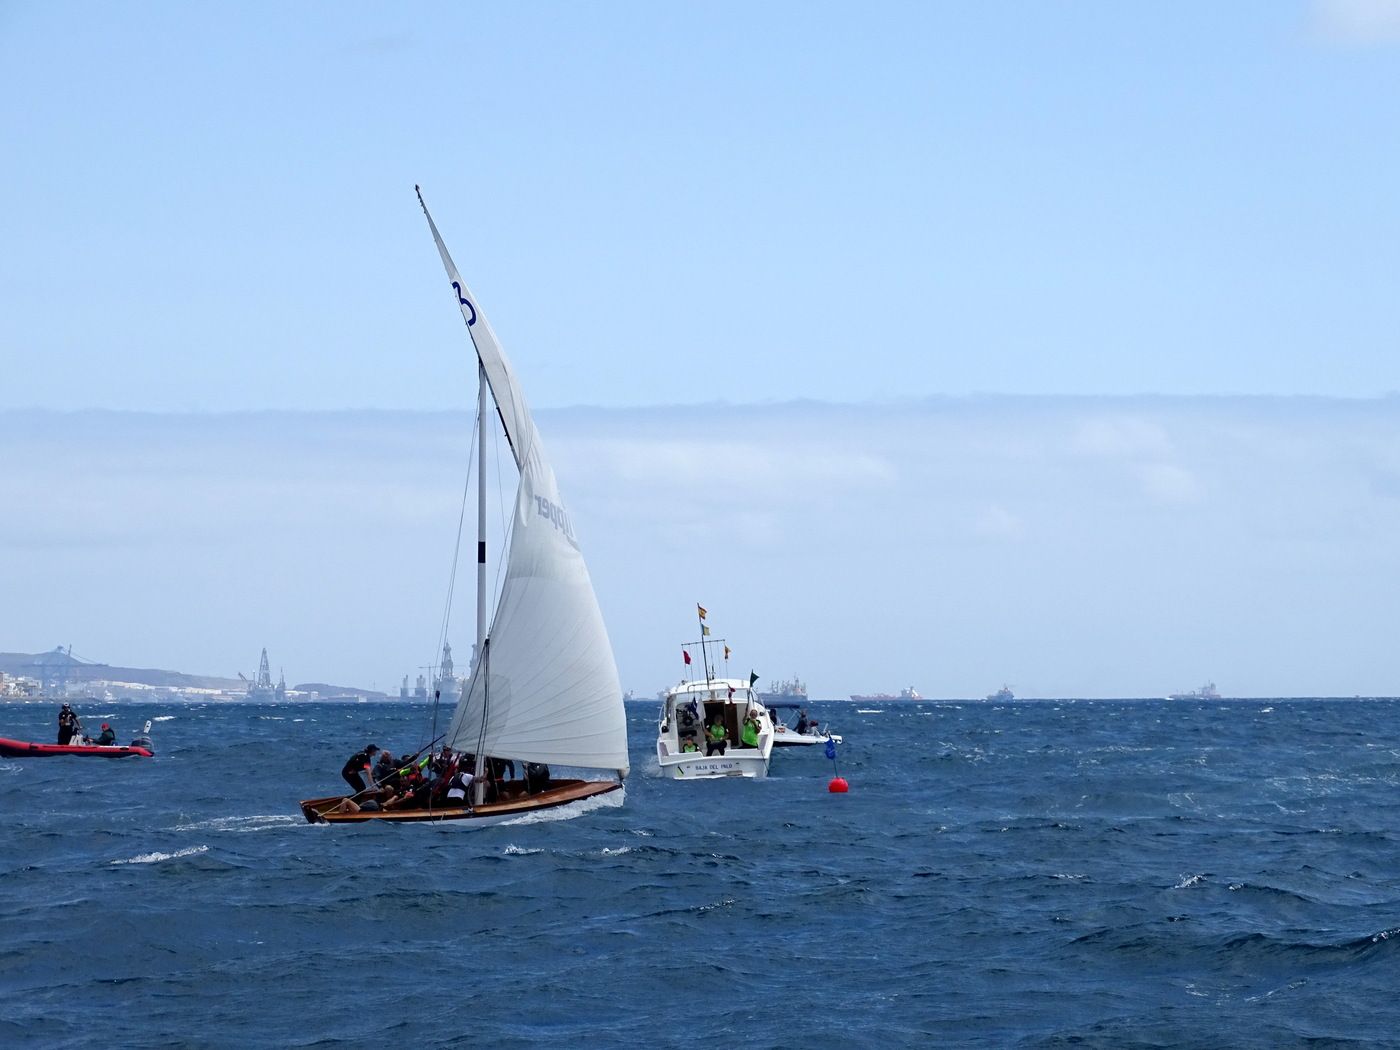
(547, 689)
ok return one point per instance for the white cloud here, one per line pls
(1123, 437)
(1168, 483)
(1357, 21)
(748, 466)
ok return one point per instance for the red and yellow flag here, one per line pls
(701, 610)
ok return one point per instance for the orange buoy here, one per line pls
(838, 786)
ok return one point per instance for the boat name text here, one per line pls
(556, 514)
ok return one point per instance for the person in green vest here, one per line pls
(749, 734)
(714, 737)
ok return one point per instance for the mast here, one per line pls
(479, 791)
(482, 423)
(704, 649)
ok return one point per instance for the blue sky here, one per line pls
(213, 209)
(1170, 231)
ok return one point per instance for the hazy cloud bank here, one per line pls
(1069, 546)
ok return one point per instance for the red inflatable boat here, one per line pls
(24, 749)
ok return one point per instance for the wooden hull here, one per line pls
(558, 793)
(25, 749)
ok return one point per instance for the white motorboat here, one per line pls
(800, 731)
(685, 748)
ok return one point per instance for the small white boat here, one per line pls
(800, 731)
(685, 749)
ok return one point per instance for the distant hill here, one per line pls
(41, 665)
(57, 662)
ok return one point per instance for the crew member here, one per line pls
(536, 777)
(67, 724)
(749, 734)
(107, 738)
(385, 770)
(360, 762)
(459, 787)
(714, 738)
(802, 723)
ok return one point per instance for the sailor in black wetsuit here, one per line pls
(359, 762)
(67, 724)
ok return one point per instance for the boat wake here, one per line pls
(612, 800)
(256, 822)
(155, 858)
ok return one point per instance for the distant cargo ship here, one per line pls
(1004, 693)
(794, 690)
(1206, 692)
(884, 698)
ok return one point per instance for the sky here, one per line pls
(716, 236)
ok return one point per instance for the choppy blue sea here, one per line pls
(1032, 874)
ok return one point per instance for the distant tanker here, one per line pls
(882, 698)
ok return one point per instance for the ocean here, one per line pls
(1029, 874)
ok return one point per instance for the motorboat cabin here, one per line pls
(701, 731)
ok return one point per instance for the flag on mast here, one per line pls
(686, 654)
(753, 677)
(704, 630)
(701, 609)
(726, 652)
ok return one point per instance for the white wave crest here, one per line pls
(153, 858)
(163, 718)
(519, 851)
(609, 851)
(612, 800)
(870, 710)
(1189, 880)
(255, 822)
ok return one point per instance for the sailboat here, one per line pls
(543, 688)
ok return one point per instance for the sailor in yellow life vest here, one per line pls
(714, 737)
(749, 734)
